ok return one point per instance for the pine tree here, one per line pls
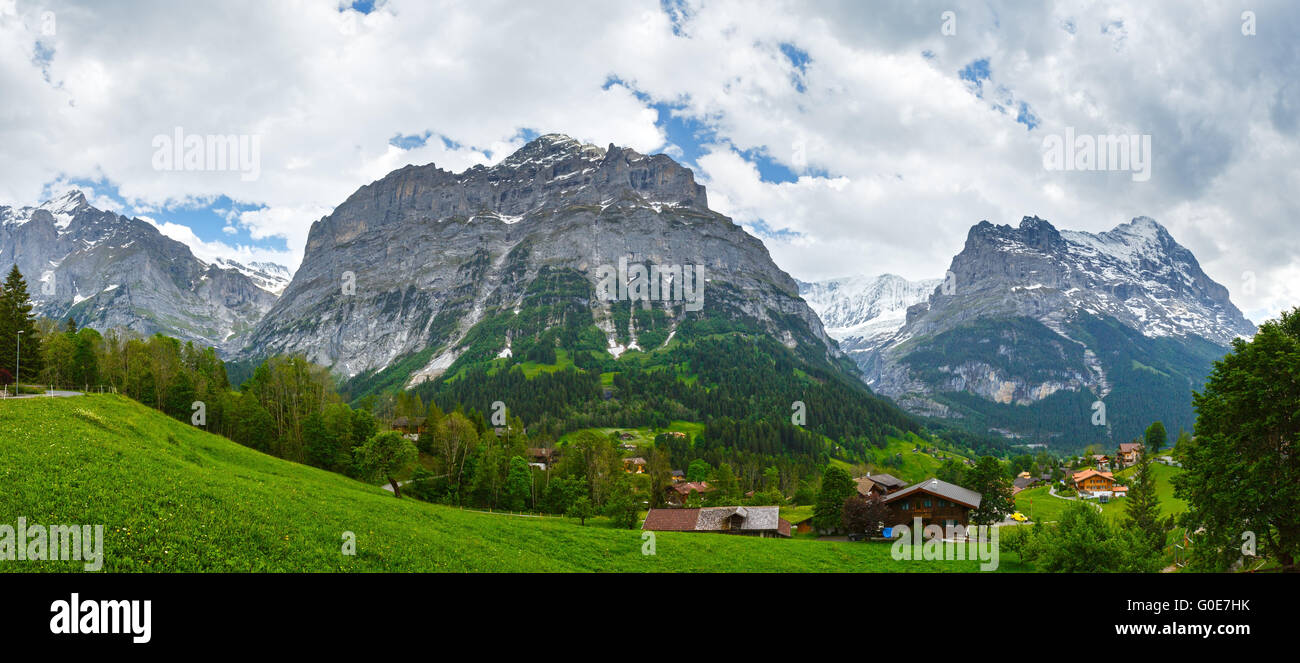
(1143, 507)
(16, 316)
(837, 486)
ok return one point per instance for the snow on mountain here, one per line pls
(268, 276)
(1032, 312)
(106, 271)
(861, 311)
(434, 254)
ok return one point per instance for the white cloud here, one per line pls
(901, 158)
(210, 251)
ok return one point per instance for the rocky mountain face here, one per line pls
(268, 276)
(1031, 320)
(426, 268)
(860, 312)
(106, 271)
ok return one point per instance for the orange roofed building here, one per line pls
(1097, 483)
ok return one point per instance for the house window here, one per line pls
(927, 504)
(904, 506)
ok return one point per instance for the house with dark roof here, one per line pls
(1023, 482)
(761, 521)
(413, 425)
(541, 457)
(678, 476)
(935, 502)
(878, 484)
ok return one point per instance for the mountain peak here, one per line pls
(72, 199)
(1143, 226)
(550, 148)
(1035, 223)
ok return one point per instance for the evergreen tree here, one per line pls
(1241, 471)
(15, 317)
(1143, 507)
(837, 486)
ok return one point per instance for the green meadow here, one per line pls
(173, 498)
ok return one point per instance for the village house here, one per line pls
(878, 484)
(678, 493)
(634, 465)
(409, 427)
(1091, 483)
(935, 502)
(804, 526)
(1129, 453)
(542, 458)
(1102, 461)
(761, 521)
(678, 476)
(1023, 482)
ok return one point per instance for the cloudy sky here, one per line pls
(852, 137)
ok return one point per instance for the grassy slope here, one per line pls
(174, 498)
(1047, 508)
(917, 466)
(643, 436)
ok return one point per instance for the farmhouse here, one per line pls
(1129, 452)
(1102, 461)
(762, 521)
(1023, 482)
(678, 493)
(879, 484)
(678, 476)
(634, 465)
(542, 458)
(1091, 483)
(413, 425)
(935, 502)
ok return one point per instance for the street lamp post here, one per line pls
(18, 358)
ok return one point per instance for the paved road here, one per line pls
(1052, 491)
(57, 393)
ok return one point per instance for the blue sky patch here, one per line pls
(205, 217)
(975, 74)
(678, 14)
(799, 60)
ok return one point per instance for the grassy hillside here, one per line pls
(174, 498)
(643, 436)
(911, 466)
(1039, 506)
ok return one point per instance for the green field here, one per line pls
(173, 498)
(1039, 506)
(642, 437)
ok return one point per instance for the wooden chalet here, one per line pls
(1129, 453)
(412, 425)
(879, 484)
(935, 502)
(543, 458)
(678, 493)
(1099, 484)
